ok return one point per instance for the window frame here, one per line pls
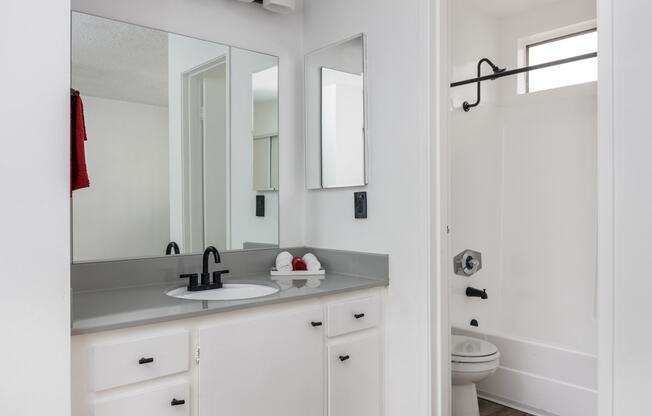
(550, 40)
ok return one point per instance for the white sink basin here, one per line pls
(230, 291)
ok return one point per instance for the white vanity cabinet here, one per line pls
(354, 378)
(269, 365)
(277, 360)
(354, 357)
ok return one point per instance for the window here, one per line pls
(578, 43)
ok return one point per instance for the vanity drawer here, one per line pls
(167, 401)
(129, 362)
(353, 315)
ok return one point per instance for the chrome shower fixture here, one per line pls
(467, 263)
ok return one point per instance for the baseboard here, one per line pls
(538, 395)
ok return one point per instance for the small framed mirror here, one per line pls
(336, 122)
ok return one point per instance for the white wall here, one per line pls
(265, 117)
(34, 215)
(397, 190)
(475, 163)
(245, 225)
(633, 204)
(125, 211)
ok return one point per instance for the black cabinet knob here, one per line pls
(344, 357)
(146, 360)
(176, 402)
(314, 323)
(359, 315)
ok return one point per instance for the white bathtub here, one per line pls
(540, 379)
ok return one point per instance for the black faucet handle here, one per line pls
(217, 276)
(205, 279)
(193, 279)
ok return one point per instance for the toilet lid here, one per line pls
(471, 347)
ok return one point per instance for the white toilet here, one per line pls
(472, 360)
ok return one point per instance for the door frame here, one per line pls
(187, 77)
(606, 213)
(440, 386)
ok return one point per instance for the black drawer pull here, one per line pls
(358, 315)
(344, 357)
(176, 402)
(146, 360)
(313, 323)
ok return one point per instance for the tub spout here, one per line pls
(476, 293)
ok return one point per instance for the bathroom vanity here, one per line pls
(300, 351)
(294, 358)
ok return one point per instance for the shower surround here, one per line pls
(523, 193)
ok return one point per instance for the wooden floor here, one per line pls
(488, 408)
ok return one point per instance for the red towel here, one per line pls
(78, 172)
(298, 264)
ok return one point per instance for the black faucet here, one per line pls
(172, 246)
(194, 285)
(476, 293)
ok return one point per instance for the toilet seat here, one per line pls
(472, 350)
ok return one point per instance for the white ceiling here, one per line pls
(120, 61)
(504, 8)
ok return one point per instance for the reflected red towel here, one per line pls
(298, 264)
(78, 172)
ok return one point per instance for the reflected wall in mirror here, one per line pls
(336, 138)
(172, 154)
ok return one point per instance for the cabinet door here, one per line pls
(270, 365)
(354, 376)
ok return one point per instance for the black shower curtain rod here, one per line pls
(524, 69)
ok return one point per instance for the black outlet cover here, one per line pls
(260, 205)
(360, 204)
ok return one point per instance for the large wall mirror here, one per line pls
(182, 143)
(336, 133)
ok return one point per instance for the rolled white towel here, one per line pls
(312, 262)
(284, 262)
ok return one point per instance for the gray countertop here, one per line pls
(107, 309)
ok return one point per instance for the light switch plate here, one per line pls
(360, 204)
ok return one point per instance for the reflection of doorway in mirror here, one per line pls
(205, 156)
(342, 128)
(264, 85)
